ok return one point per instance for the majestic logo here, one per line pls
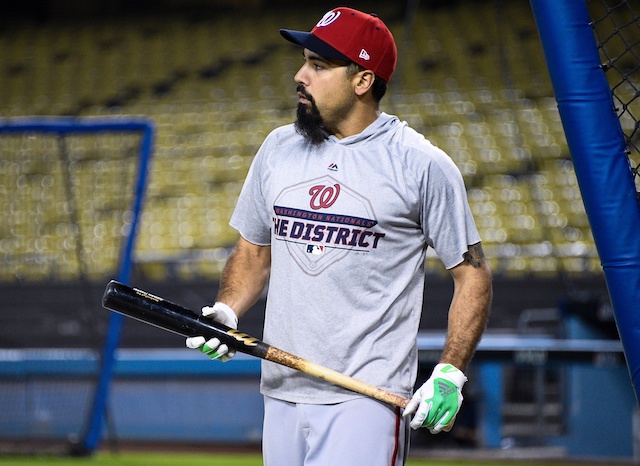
(328, 18)
(321, 221)
(323, 197)
(333, 167)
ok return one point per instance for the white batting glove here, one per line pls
(437, 402)
(222, 313)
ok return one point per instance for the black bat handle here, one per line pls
(153, 310)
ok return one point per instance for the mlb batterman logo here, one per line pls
(315, 249)
(328, 18)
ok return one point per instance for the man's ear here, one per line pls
(364, 82)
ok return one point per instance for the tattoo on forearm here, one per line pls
(474, 256)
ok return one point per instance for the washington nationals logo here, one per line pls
(328, 18)
(323, 197)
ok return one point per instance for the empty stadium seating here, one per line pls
(472, 80)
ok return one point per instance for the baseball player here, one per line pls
(336, 215)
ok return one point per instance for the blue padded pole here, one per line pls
(602, 167)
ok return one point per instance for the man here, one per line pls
(336, 214)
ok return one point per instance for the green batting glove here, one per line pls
(222, 313)
(211, 348)
(437, 402)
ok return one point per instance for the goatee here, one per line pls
(309, 123)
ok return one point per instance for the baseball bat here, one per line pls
(153, 310)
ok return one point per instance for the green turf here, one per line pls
(191, 459)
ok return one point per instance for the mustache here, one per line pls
(301, 90)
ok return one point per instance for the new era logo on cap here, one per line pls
(345, 33)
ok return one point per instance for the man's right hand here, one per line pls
(222, 313)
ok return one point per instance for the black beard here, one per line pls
(309, 123)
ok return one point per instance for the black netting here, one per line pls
(616, 26)
(65, 204)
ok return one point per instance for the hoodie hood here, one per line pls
(378, 128)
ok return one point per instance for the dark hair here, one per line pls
(379, 88)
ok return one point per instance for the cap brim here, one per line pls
(311, 42)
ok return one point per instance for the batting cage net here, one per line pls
(616, 26)
(70, 197)
(64, 210)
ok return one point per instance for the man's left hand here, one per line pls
(437, 402)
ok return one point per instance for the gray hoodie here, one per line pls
(349, 222)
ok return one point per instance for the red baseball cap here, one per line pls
(351, 35)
